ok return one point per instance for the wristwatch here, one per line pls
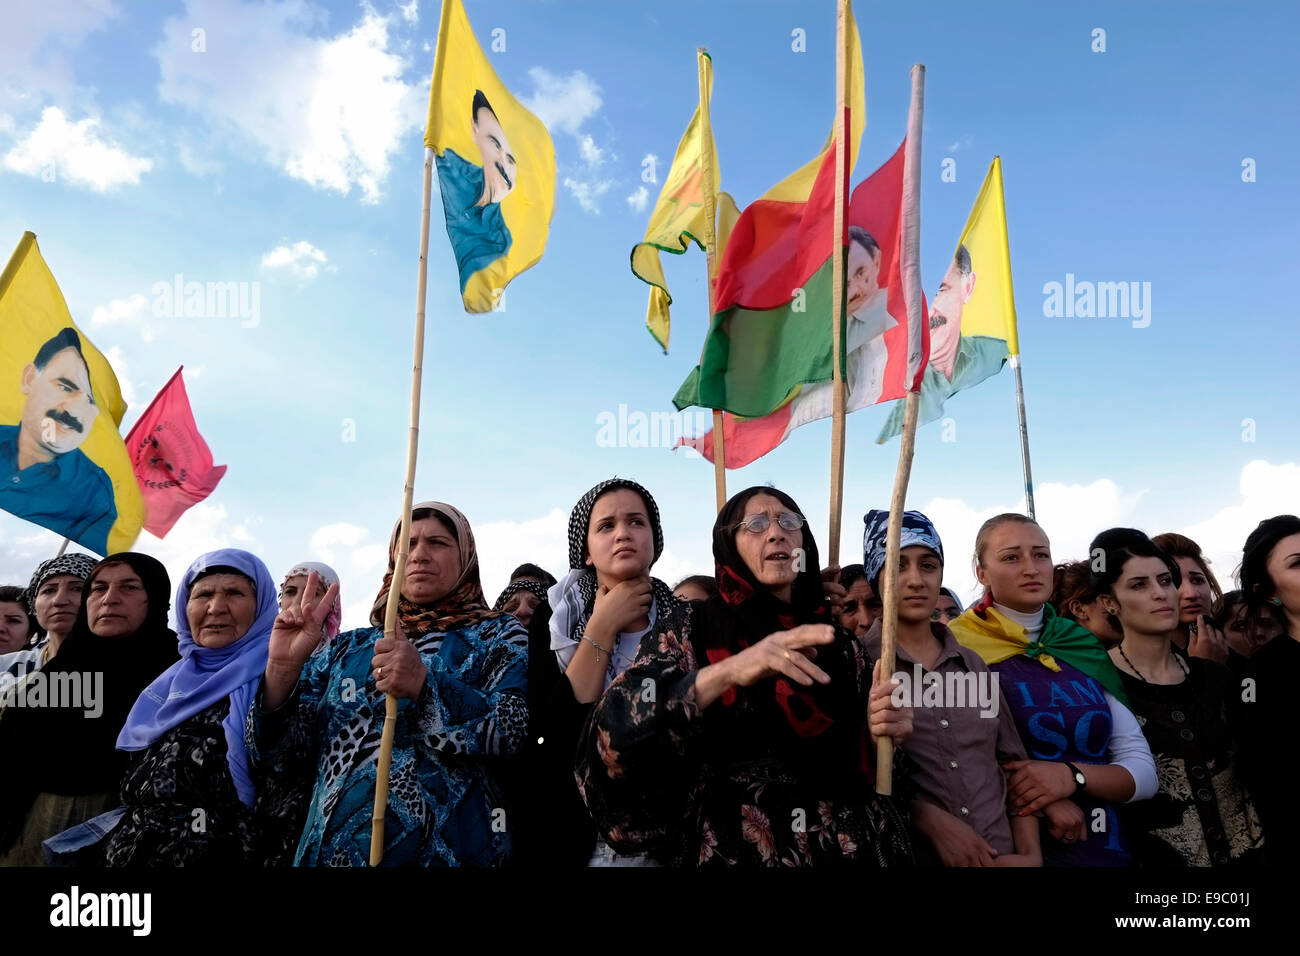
(1080, 781)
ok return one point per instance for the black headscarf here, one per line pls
(822, 721)
(61, 749)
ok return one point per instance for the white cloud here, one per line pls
(639, 199)
(1266, 490)
(410, 11)
(59, 150)
(591, 154)
(329, 111)
(963, 142)
(203, 528)
(196, 160)
(360, 562)
(1070, 514)
(302, 259)
(563, 102)
(504, 545)
(131, 311)
(118, 361)
(588, 192)
(25, 546)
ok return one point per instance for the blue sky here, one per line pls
(288, 153)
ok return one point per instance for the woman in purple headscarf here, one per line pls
(190, 797)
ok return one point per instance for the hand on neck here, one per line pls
(609, 582)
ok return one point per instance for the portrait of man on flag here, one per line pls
(63, 464)
(972, 321)
(495, 163)
(471, 195)
(868, 321)
(44, 475)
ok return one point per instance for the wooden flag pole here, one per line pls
(843, 129)
(710, 259)
(404, 535)
(911, 274)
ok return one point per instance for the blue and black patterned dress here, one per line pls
(445, 807)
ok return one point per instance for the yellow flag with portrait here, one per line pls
(63, 464)
(495, 162)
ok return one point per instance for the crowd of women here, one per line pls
(1128, 713)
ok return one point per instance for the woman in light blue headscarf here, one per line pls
(190, 797)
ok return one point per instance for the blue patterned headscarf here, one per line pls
(205, 675)
(917, 529)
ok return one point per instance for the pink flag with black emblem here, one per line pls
(172, 462)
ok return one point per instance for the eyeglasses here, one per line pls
(757, 524)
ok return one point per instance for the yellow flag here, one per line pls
(973, 313)
(63, 464)
(681, 215)
(496, 166)
(991, 308)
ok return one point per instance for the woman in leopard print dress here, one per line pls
(460, 679)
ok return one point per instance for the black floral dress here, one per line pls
(721, 785)
(1202, 815)
(182, 808)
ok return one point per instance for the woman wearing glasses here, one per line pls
(742, 733)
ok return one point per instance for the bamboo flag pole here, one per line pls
(843, 129)
(1015, 359)
(710, 253)
(404, 535)
(911, 274)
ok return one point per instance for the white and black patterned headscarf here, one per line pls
(77, 564)
(573, 598)
(580, 519)
(533, 587)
